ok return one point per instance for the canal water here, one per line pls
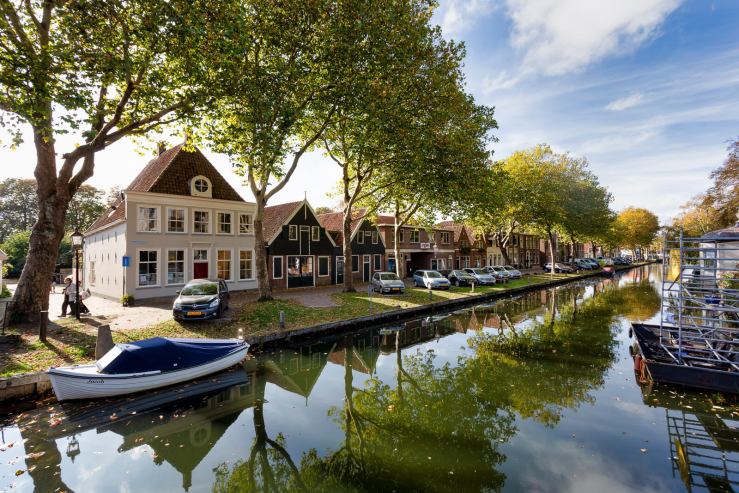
(532, 393)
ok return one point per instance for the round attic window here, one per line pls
(200, 186)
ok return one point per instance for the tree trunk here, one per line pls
(32, 293)
(550, 237)
(572, 249)
(399, 270)
(347, 230)
(502, 243)
(260, 251)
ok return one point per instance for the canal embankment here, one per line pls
(261, 328)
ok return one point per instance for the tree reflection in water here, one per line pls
(439, 427)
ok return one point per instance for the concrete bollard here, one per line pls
(282, 319)
(104, 341)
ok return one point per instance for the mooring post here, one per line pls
(104, 341)
(43, 323)
(473, 286)
(430, 295)
(282, 319)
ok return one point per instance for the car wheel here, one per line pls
(456, 282)
(219, 313)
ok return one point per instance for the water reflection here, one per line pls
(435, 404)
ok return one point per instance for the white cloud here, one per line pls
(626, 102)
(562, 36)
(460, 15)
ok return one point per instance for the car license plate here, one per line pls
(194, 314)
(395, 290)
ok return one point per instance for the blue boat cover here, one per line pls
(164, 354)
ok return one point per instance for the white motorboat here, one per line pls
(148, 364)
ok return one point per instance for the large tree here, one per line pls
(95, 71)
(638, 227)
(412, 88)
(284, 70)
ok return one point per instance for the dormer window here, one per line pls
(200, 186)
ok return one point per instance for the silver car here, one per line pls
(481, 275)
(515, 273)
(430, 279)
(499, 272)
(387, 282)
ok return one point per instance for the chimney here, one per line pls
(161, 147)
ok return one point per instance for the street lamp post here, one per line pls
(77, 243)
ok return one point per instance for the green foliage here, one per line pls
(18, 206)
(4, 291)
(637, 227)
(16, 247)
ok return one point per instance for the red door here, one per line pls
(200, 270)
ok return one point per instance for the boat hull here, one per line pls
(84, 382)
(661, 370)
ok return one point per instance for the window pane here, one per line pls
(244, 223)
(277, 267)
(224, 222)
(322, 266)
(224, 264)
(245, 265)
(147, 268)
(176, 267)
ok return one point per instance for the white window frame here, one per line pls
(445, 238)
(315, 233)
(231, 264)
(139, 218)
(282, 267)
(417, 234)
(290, 229)
(210, 221)
(252, 266)
(375, 238)
(328, 266)
(218, 223)
(158, 264)
(184, 266)
(184, 220)
(250, 231)
(197, 193)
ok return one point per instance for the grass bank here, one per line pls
(70, 342)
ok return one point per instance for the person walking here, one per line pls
(70, 297)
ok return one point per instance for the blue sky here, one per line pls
(647, 90)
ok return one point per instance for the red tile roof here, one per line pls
(457, 228)
(334, 223)
(170, 173)
(275, 216)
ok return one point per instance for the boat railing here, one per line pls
(699, 323)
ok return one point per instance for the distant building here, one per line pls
(368, 245)
(418, 247)
(178, 220)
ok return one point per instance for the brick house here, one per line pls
(178, 220)
(419, 248)
(368, 245)
(469, 248)
(300, 252)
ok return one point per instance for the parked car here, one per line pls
(583, 264)
(481, 275)
(387, 282)
(461, 278)
(558, 267)
(201, 299)
(515, 273)
(430, 279)
(499, 272)
(592, 262)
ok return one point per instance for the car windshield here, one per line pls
(432, 274)
(498, 269)
(479, 271)
(509, 267)
(459, 273)
(205, 288)
(389, 277)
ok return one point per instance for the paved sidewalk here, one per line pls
(318, 297)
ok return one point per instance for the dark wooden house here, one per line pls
(368, 246)
(300, 252)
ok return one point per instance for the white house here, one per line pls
(178, 220)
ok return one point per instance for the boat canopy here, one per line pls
(163, 354)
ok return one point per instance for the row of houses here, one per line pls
(180, 219)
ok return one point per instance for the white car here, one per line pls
(515, 273)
